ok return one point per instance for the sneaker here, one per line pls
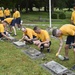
(73, 68)
(48, 50)
(14, 35)
(41, 48)
(65, 59)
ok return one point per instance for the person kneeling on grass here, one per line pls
(28, 35)
(2, 32)
(11, 22)
(69, 31)
(44, 37)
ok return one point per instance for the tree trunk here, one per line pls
(45, 8)
(52, 5)
(31, 8)
(26, 6)
(69, 9)
(31, 5)
(39, 9)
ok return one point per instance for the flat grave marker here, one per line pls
(12, 39)
(57, 69)
(19, 44)
(33, 53)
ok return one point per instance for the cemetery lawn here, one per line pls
(14, 62)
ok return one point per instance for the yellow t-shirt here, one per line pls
(30, 33)
(67, 29)
(73, 17)
(8, 20)
(1, 13)
(1, 28)
(16, 14)
(43, 36)
(7, 12)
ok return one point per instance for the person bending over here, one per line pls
(11, 23)
(28, 35)
(65, 30)
(3, 32)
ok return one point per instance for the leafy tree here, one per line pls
(69, 3)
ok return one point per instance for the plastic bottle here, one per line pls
(60, 57)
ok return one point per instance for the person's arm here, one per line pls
(60, 47)
(26, 38)
(22, 37)
(6, 28)
(47, 41)
(5, 35)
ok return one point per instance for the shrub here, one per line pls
(54, 16)
(62, 16)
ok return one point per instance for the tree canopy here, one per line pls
(29, 4)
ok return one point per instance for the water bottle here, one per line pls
(60, 57)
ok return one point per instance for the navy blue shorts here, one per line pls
(18, 20)
(2, 18)
(13, 22)
(70, 39)
(7, 16)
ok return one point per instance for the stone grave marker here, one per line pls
(33, 53)
(12, 38)
(19, 44)
(57, 69)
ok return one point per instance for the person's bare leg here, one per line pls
(48, 47)
(66, 50)
(14, 30)
(10, 29)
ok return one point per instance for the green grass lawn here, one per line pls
(14, 62)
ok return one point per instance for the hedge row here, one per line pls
(60, 16)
